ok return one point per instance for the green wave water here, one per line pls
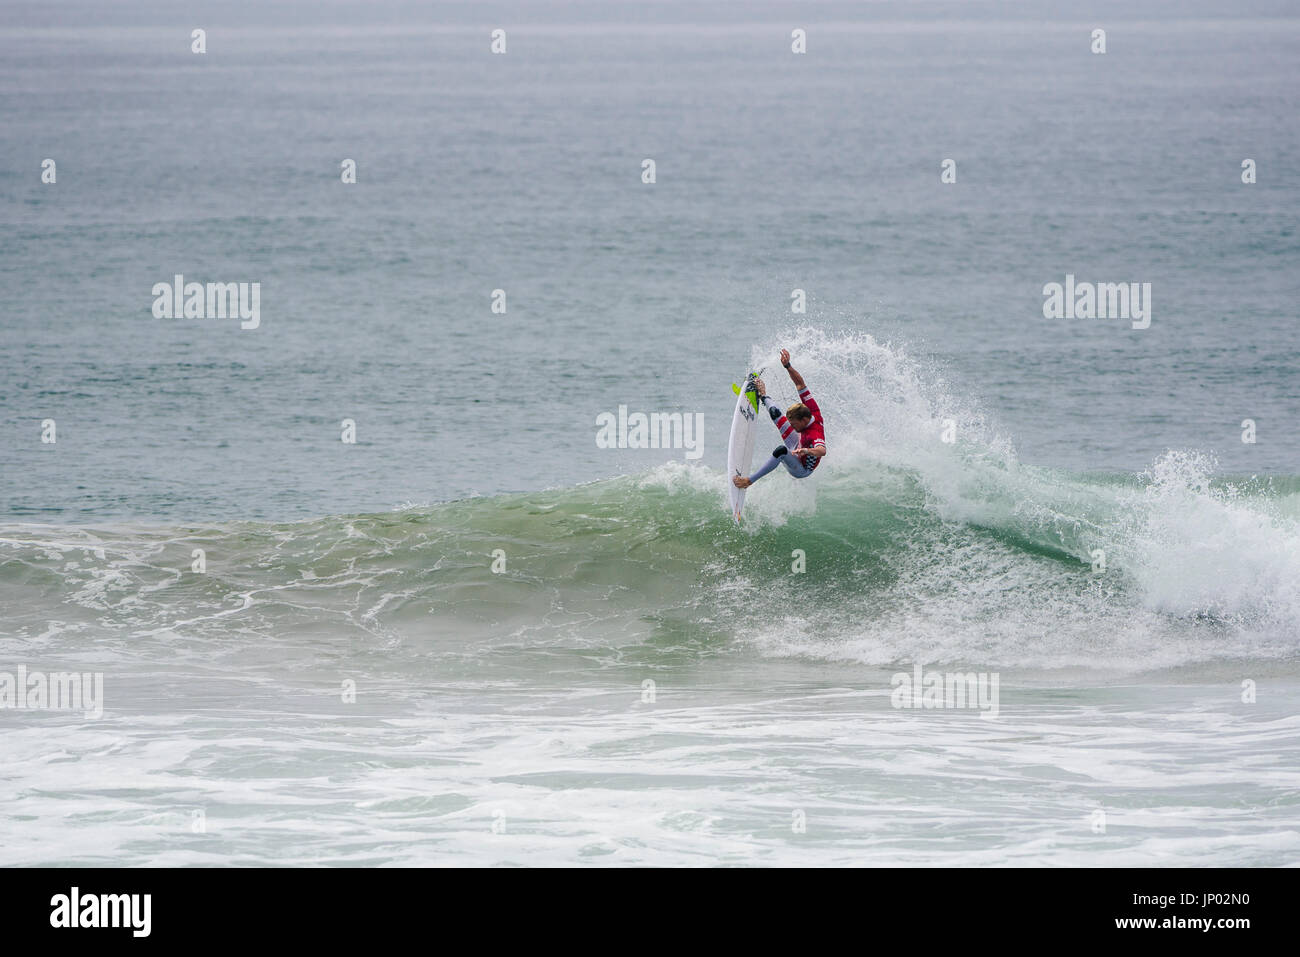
(878, 564)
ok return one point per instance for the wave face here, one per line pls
(913, 548)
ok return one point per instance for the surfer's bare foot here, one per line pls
(740, 481)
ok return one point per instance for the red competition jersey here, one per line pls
(815, 434)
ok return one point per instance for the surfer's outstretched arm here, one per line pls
(795, 377)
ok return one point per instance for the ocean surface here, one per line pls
(475, 636)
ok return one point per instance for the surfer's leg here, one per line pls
(795, 467)
(788, 435)
(773, 460)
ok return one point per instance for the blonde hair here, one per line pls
(798, 411)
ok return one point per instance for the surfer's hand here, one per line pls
(740, 481)
(759, 387)
(785, 358)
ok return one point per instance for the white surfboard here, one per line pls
(740, 447)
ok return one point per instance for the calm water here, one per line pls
(504, 716)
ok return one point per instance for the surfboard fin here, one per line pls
(750, 390)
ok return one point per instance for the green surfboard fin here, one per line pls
(749, 388)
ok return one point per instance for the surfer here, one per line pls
(801, 431)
